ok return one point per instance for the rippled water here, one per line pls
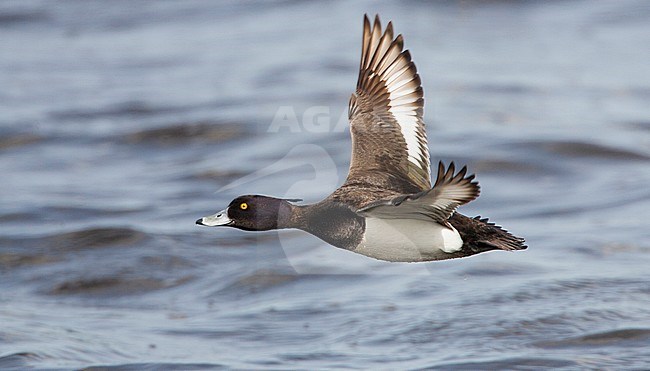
(119, 120)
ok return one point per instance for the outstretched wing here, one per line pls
(389, 143)
(437, 204)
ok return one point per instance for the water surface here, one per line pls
(122, 122)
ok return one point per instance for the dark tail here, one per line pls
(479, 235)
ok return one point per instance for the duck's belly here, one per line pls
(408, 240)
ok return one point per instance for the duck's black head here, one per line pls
(252, 213)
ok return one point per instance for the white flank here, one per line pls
(408, 240)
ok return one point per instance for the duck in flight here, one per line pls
(386, 208)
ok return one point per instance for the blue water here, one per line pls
(122, 122)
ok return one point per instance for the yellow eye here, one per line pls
(243, 206)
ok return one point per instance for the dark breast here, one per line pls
(334, 223)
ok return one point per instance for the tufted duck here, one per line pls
(387, 208)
